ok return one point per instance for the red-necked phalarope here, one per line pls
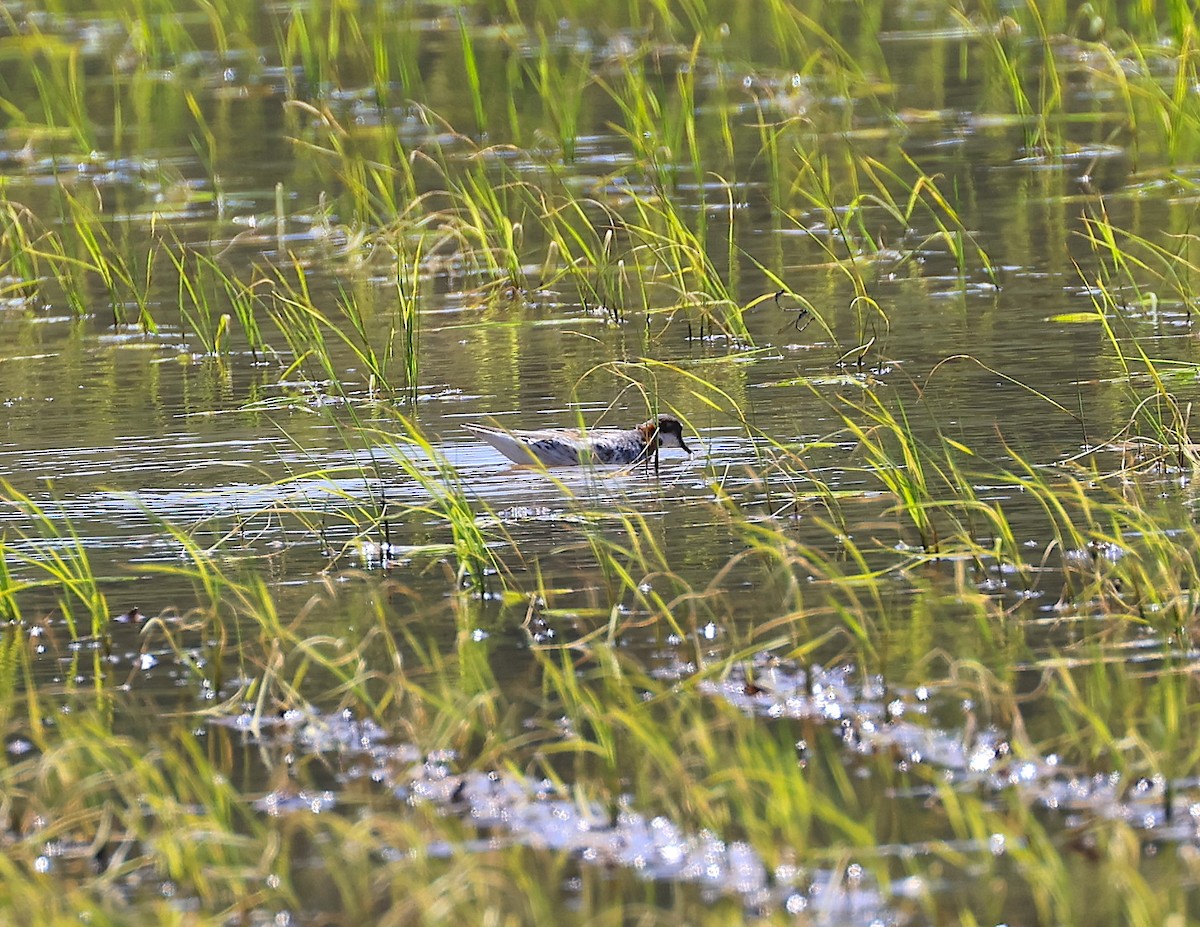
(570, 447)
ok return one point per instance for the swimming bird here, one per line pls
(570, 447)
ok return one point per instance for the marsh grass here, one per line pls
(647, 697)
(378, 330)
(21, 271)
(561, 78)
(211, 297)
(673, 744)
(36, 263)
(57, 560)
(478, 566)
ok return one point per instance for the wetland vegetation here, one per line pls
(910, 640)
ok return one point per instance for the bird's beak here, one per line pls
(687, 450)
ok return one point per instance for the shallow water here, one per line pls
(117, 430)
